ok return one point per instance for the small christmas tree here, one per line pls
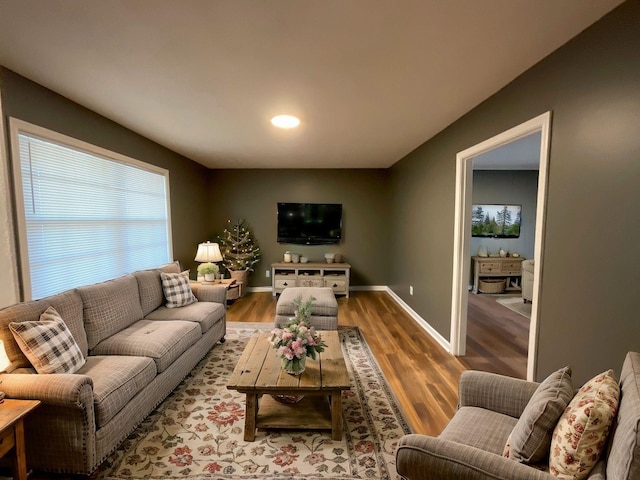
(239, 248)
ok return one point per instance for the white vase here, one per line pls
(209, 277)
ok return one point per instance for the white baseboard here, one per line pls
(369, 288)
(443, 342)
(258, 289)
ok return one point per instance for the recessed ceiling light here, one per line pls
(285, 121)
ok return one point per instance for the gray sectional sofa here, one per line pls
(136, 352)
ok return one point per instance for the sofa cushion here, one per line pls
(48, 343)
(530, 440)
(206, 314)
(116, 380)
(68, 304)
(581, 433)
(109, 307)
(161, 340)
(173, 267)
(150, 290)
(177, 289)
(479, 428)
(624, 456)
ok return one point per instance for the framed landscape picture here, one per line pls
(496, 221)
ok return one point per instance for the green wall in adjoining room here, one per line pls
(363, 193)
(591, 269)
(33, 103)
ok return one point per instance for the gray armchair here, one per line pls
(471, 445)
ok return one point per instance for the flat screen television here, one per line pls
(496, 221)
(309, 223)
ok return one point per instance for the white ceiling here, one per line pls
(370, 79)
(520, 154)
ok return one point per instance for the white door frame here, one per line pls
(462, 232)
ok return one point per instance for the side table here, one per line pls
(234, 288)
(12, 413)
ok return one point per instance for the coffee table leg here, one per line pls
(336, 414)
(250, 417)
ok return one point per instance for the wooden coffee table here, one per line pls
(259, 375)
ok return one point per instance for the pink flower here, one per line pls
(287, 335)
(315, 458)
(285, 352)
(207, 450)
(298, 349)
(212, 467)
(226, 413)
(284, 458)
(182, 457)
(364, 446)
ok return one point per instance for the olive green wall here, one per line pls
(399, 222)
(28, 101)
(588, 307)
(363, 193)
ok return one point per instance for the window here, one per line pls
(85, 214)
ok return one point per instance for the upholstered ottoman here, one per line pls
(324, 313)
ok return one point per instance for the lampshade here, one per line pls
(4, 364)
(208, 252)
(4, 359)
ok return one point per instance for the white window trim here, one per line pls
(16, 127)
(9, 290)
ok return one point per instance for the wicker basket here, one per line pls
(492, 285)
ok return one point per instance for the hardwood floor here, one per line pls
(497, 338)
(423, 376)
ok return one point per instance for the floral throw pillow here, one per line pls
(530, 439)
(177, 289)
(581, 433)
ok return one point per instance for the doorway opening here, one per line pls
(462, 231)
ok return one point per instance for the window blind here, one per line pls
(88, 218)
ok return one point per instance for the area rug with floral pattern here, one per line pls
(197, 432)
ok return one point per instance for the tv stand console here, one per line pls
(311, 274)
(506, 267)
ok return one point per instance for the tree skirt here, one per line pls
(197, 432)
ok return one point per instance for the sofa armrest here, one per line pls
(421, 456)
(62, 389)
(210, 293)
(498, 393)
(61, 433)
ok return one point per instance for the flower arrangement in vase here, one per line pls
(298, 339)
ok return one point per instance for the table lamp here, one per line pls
(208, 253)
(4, 364)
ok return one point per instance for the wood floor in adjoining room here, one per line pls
(497, 338)
(423, 375)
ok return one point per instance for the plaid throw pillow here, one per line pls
(48, 343)
(177, 289)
